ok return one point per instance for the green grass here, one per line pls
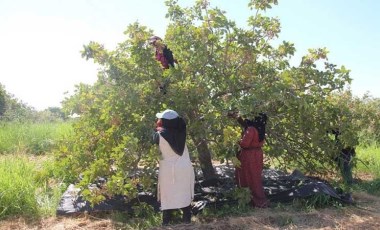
(368, 162)
(371, 187)
(28, 184)
(368, 159)
(21, 193)
(34, 138)
(17, 187)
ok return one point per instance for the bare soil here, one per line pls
(365, 215)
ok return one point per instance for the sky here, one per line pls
(41, 40)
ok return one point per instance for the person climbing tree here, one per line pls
(164, 55)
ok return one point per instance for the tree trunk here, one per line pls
(204, 156)
(204, 153)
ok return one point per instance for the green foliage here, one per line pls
(11, 109)
(221, 67)
(367, 110)
(14, 110)
(3, 97)
(145, 217)
(51, 114)
(243, 195)
(33, 138)
(262, 4)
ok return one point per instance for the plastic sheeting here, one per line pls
(278, 186)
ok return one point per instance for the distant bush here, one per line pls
(367, 109)
(14, 110)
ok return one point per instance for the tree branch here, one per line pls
(228, 92)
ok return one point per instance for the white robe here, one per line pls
(175, 178)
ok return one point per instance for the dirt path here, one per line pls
(366, 215)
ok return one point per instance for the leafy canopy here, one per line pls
(221, 67)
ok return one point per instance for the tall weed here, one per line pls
(368, 159)
(17, 187)
(33, 138)
(22, 192)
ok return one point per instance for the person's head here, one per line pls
(259, 122)
(173, 130)
(168, 114)
(261, 119)
(170, 119)
(155, 41)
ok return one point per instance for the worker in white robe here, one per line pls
(176, 173)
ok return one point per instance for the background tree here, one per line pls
(12, 109)
(2, 100)
(366, 113)
(221, 67)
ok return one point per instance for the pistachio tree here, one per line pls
(221, 67)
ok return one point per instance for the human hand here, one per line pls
(159, 129)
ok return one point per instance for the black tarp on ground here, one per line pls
(73, 203)
(278, 186)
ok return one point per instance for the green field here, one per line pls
(32, 138)
(25, 166)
